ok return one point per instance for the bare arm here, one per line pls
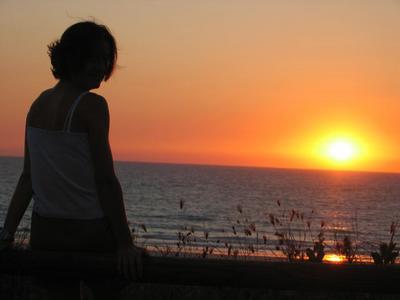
(108, 186)
(22, 194)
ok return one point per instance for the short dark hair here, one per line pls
(74, 48)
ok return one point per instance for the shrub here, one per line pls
(387, 253)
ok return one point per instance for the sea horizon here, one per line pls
(239, 166)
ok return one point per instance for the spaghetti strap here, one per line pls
(68, 118)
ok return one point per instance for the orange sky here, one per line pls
(258, 83)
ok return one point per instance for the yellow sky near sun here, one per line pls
(261, 83)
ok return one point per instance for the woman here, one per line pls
(68, 165)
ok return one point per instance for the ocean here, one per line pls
(171, 205)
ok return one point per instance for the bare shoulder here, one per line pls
(94, 108)
(41, 97)
(95, 102)
(38, 101)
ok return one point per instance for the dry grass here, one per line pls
(297, 237)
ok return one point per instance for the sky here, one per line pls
(225, 82)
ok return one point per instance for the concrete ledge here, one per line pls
(211, 272)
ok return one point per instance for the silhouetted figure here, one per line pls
(68, 166)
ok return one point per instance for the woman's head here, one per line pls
(85, 54)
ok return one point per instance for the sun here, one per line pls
(341, 150)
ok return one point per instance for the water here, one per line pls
(361, 205)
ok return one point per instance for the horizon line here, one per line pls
(237, 166)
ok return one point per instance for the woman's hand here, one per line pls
(130, 262)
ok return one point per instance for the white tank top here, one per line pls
(62, 172)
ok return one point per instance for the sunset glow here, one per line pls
(287, 84)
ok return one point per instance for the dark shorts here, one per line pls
(74, 235)
(71, 235)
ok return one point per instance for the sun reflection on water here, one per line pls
(334, 258)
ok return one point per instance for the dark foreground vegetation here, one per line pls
(195, 278)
